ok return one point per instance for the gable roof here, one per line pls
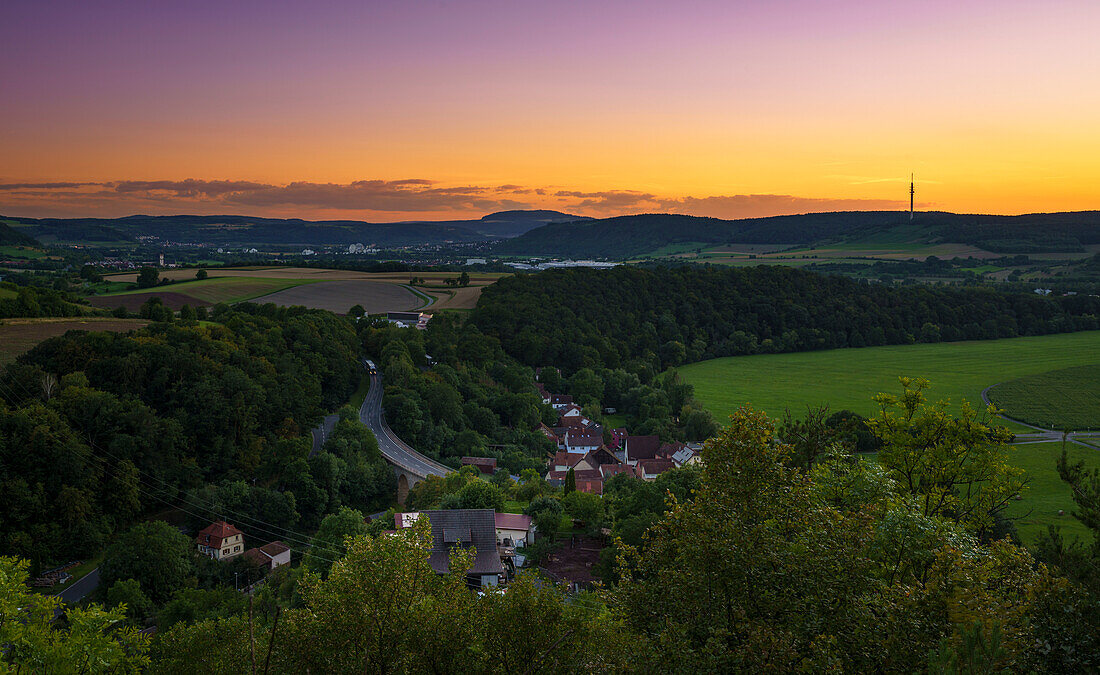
(654, 466)
(464, 528)
(275, 548)
(215, 533)
(642, 447)
(513, 521)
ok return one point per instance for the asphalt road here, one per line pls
(321, 433)
(393, 448)
(83, 586)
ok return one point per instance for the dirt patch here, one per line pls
(133, 301)
(575, 560)
(18, 336)
(339, 296)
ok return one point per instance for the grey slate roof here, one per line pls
(465, 528)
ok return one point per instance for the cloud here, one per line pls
(186, 188)
(374, 195)
(43, 186)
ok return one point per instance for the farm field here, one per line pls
(1059, 399)
(456, 298)
(339, 296)
(848, 378)
(1047, 494)
(20, 335)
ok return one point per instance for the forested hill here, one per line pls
(251, 230)
(10, 236)
(652, 319)
(626, 236)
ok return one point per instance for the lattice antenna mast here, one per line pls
(912, 191)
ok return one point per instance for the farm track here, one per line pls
(1042, 435)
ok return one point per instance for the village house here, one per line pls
(560, 401)
(486, 465)
(220, 541)
(459, 529)
(543, 393)
(582, 441)
(275, 554)
(515, 529)
(636, 448)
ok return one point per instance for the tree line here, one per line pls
(652, 319)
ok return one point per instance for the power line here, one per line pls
(279, 532)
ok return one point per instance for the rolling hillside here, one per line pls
(249, 230)
(625, 237)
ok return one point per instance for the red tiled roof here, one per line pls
(590, 486)
(655, 466)
(513, 521)
(642, 447)
(575, 421)
(215, 533)
(608, 470)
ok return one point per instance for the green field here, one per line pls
(848, 378)
(221, 289)
(1059, 399)
(23, 252)
(1046, 493)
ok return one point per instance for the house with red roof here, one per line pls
(515, 529)
(220, 541)
(641, 447)
(486, 465)
(275, 554)
(649, 469)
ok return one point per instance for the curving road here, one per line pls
(396, 451)
(1041, 435)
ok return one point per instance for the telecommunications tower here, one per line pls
(911, 191)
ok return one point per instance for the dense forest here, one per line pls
(472, 398)
(623, 237)
(651, 319)
(9, 236)
(99, 429)
(35, 301)
(759, 560)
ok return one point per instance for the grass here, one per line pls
(614, 421)
(1047, 494)
(24, 252)
(360, 394)
(7, 293)
(512, 506)
(1059, 399)
(848, 378)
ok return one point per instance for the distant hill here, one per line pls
(9, 236)
(251, 230)
(628, 236)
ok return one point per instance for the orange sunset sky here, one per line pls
(410, 110)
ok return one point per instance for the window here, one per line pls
(236, 548)
(225, 551)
